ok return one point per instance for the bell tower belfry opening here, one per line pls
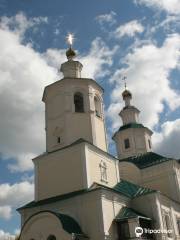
(74, 107)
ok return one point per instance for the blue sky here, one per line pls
(139, 39)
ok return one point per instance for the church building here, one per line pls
(82, 191)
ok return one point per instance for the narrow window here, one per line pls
(58, 140)
(97, 104)
(149, 142)
(126, 143)
(79, 102)
(178, 225)
(103, 170)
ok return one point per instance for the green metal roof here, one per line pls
(131, 190)
(127, 213)
(131, 125)
(124, 187)
(146, 160)
(69, 224)
(52, 199)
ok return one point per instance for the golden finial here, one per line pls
(126, 93)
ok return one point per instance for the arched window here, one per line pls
(78, 102)
(51, 237)
(97, 104)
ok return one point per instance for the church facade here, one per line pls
(83, 192)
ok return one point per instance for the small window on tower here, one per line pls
(97, 104)
(79, 102)
(126, 143)
(149, 142)
(178, 225)
(58, 139)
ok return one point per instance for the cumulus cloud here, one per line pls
(97, 60)
(170, 6)
(129, 29)
(148, 69)
(109, 18)
(167, 141)
(19, 23)
(6, 235)
(5, 212)
(13, 196)
(23, 75)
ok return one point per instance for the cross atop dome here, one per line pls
(70, 53)
(126, 94)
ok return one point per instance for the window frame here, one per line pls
(98, 106)
(178, 225)
(75, 101)
(126, 143)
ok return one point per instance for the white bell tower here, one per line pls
(74, 108)
(132, 138)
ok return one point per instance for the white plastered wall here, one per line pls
(71, 125)
(94, 158)
(163, 177)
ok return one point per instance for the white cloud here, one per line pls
(19, 23)
(170, 6)
(13, 196)
(5, 212)
(23, 75)
(6, 235)
(16, 194)
(148, 69)
(167, 141)
(129, 29)
(169, 24)
(108, 18)
(98, 59)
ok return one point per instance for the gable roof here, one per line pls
(131, 190)
(127, 213)
(146, 160)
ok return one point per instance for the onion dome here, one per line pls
(126, 94)
(70, 54)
